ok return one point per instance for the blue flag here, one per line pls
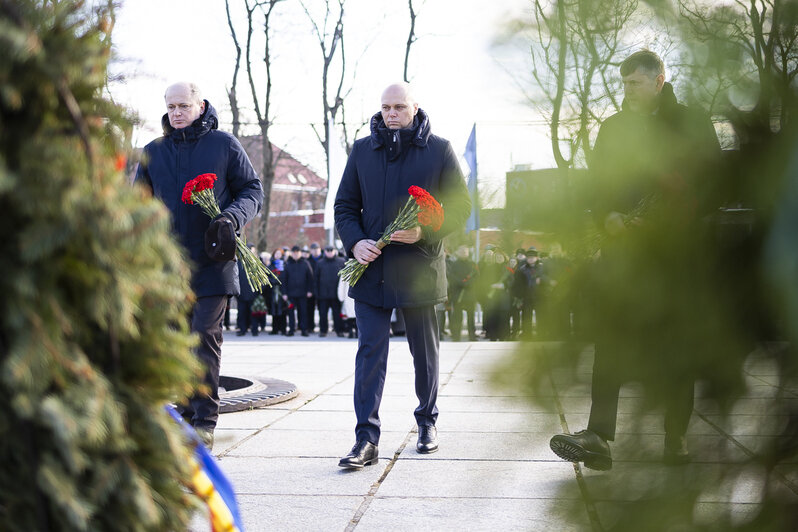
(471, 158)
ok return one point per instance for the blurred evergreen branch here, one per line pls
(94, 338)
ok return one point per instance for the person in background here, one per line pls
(314, 256)
(277, 305)
(326, 275)
(463, 277)
(298, 285)
(245, 299)
(347, 309)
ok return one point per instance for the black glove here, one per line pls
(220, 238)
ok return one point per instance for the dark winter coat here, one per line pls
(671, 152)
(327, 277)
(169, 162)
(374, 187)
(462, 281)
(297, 278)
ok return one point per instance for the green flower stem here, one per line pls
(257, 272)
(406, 219)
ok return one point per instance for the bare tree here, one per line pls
(329, 32)
(232, 95)
(257, 12)
(574, 47)
(411, 38)
(751, 62)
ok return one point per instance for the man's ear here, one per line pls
(415, 109)
(202, 106)
(660, 81)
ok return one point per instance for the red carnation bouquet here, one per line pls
(421, 208)
(199, 191)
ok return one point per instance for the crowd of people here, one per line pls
(501, 297)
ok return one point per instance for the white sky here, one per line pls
(454, 69)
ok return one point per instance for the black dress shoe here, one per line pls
(427, 439)
(362, 454)
(339, 334)
(585, 446)
(675, 452)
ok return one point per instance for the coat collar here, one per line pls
(420, 129)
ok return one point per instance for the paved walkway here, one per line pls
(494, 469)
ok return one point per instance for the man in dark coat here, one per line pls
(314, 257)
(410, 273)
(326, 273)
(192, 145)
(298, 284)
(651, 164)
(463, 279)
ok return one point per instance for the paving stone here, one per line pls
(515, 514)
(290, 513)
(477, 478)
(331, 444)
(298, 476)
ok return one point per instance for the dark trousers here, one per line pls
(456, 321)
(244, 320)
(607, 381)
(206, 320)
(298, 314)
(311, 313)
(325, 305)
(374, 324)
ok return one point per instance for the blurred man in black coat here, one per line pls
(409, 274)
(651, 164)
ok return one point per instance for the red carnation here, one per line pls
(199, 191)
(430, 212)
(419, 209)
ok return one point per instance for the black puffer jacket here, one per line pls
(326, 273)
(169, 162)
(297, 278)
(374, 187)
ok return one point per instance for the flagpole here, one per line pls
(470, 156)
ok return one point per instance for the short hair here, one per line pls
(193, 90)
(645, 60)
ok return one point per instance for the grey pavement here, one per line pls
(494, 469)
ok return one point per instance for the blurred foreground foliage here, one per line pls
(714, 299)
(94, 338)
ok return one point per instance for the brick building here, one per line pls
(297, 201)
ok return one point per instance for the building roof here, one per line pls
(289, 173)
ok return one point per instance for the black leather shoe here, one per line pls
(585, 446)
(675, 452)
(362, 454)
(427, 439)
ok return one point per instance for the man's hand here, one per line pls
(407, 236)
(366, 251)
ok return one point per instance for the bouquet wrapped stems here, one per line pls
(200, 191)
(419, 209)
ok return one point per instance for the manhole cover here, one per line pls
(245, 393)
